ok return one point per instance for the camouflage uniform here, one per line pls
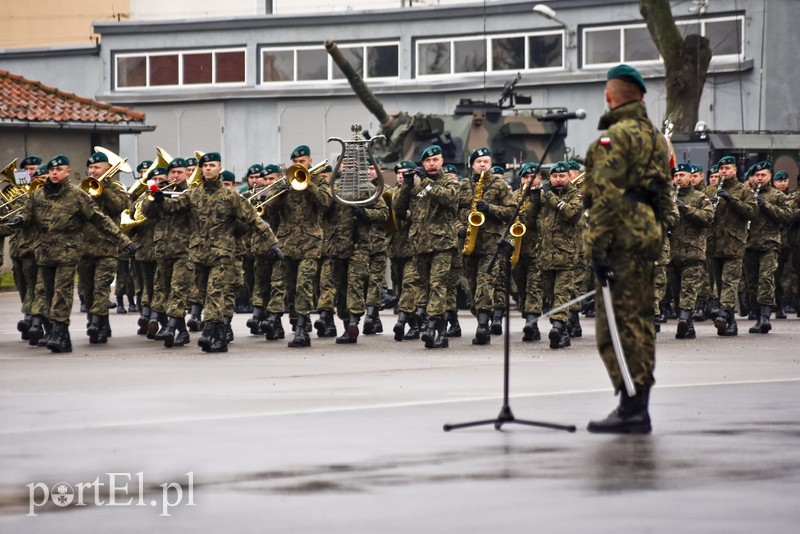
(527, 272)
(625, 167)
(400, 252)
(21, 249)
(688, 246)
(338, 225)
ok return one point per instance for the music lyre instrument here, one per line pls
(351, 170)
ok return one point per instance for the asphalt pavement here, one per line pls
(133, 437)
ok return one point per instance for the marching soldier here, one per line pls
(627, 191)
(785, 277)
(688, 246)
(376, 248)
(763, 244)
(527, 271)
(457, 266)
(430, 199)
(735, 205)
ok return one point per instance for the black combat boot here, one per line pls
(559, 335)
(254, 323)
(376, 320)
(182, 336)
(193, 323)
(455, 327)
(350, 333)
(121, 305)
(415, 327)
(482, 333)
(530, 332)
(700, 311)
(731, 328)
(105, 330)
(662, 314)
(23, 326)
(721, 322)
(169, 335)
(669, 312)
(35, 332)
(322, 322)
(690, 332)
(83, 303)
(590, 310)
(762, 326)
(160, 326)
(630, 417)
(713, 309)
(400, 326)
(226, 322)
(204, 341)
(575, 329)
(132, 306)
(330, 326)
(440, 338)
(301, 337)
(744, 307)
(93, 331)
(217, 336)
(497, 322)
(59, 339)
(683, 324)
(656, 324)
(144, 318)
(48, 333)
(429, 335)
(780, 313)
(369, 321)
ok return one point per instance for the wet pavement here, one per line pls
(349, 438)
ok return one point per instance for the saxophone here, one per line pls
(475, 219)
(518, 229)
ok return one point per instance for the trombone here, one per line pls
(94, 186)
(296, 177)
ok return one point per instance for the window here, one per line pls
(497, 53)
(174, 69)
(609, 45)
(308, 64)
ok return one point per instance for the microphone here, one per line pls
(560, 117)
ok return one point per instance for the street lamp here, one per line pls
(550, 13)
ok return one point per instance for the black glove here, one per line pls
(602, 269)
(546, 186)
(680, 204)
(462, 232)
(275, 253)
(724, 195)
(16, 222)
(283, 187)
(360, 213)
(536, 193)
(482, 206)
(130, 248)
(408, 178)
(158, 197)
(761, 202)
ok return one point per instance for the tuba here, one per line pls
(140, 184)
(196, 178)
(12, 196)
(475, 219)
(355, 185)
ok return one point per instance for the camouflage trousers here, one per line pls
(659, 285)
(237, 289)
(396, 269)
(434, 274)
(217, 283)
(377, 277)
(147, 271)
(25, 269)
(686, 277)
(785, 277)
(529, 285)
(411, 293)
(760, 267)
(632, 295)
(298, 279)
(97, 274)
(456, 274)
(262, 280)
(707, 288)
(727, 274)
(175, 278)
(249, 275)
(482, 283)
(563, 287)
(53, 293)
(122, 281)
(333, 286)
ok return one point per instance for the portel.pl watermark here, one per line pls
(115, 489)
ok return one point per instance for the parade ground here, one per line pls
(133, 437)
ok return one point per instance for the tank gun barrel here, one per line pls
(359, 87)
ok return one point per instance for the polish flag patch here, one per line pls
(605, 141)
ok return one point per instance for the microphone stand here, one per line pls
(506, 249)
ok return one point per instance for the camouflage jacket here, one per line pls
(528, 215)
(728, 234)
(112, 201)
(60, 214)
(501, 209)
(22, 243)
(688, 240)
(559, 212)
(431, 205)
(369, 233)
(300, 233)
(765, 227)
(216, 215)
(397, 243)
(143, 234)
(627, 164)
(338, 226)
(171, 232)
(793, 234)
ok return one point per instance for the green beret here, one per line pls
(97, 157)
(177, 163)
(749, 171)
(450, 169)
(478, 154)
(255, 168)
(405, 164)
(58, 161)
(300, 151)
(529, 168)
(714, 169)
(433, 150)
(375, 160)
(697, 168)
(497, 169)
(682, 167)
(560, 166)
(41, 170)
(270, 168)
(31, 160)
(210, 156)
(191, 162)
(227, 176)
(574, 165)
(780, 175)
(762, 166)
(726, 160)
(158, 171)
(327, 168)
(628, 74)
(143, 166)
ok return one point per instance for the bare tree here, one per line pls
(686, 61)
